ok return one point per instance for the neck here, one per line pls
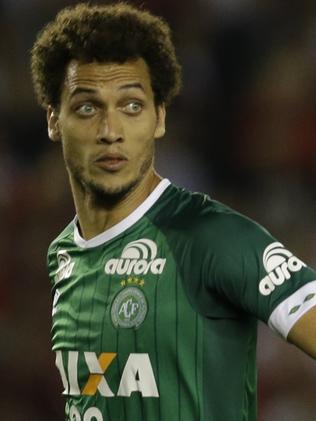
(95, 219)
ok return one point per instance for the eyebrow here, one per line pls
(132, 85)
(80, 90)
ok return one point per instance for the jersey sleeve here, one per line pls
(256, 273)
(51, 262)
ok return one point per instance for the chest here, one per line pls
(128, 293)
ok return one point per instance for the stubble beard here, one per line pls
(101, 195)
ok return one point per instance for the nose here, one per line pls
(110, 129)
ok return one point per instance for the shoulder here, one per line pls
(64, 239)
(57, 256)
(202, 217)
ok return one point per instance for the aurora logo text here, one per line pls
(65, 266)
(279, 264)
(138, 257)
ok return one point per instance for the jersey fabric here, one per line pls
(156, 318)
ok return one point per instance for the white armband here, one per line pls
(287, 313)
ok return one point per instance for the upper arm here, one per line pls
(257, 274)
(303, 333)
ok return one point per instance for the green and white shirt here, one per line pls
(155, 319)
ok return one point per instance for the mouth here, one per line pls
(111, 162)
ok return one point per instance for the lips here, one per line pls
(111, 161)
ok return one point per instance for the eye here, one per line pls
(86, 109)
(133, 107)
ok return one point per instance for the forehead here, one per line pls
(101, 75)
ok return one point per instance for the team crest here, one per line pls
(129, 308)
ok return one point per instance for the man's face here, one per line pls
(107, 123)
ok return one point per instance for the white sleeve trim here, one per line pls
(287, 313)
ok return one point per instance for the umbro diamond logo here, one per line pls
(138, 257)
(279, 264)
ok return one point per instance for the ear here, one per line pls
(161, 121)
(53, 124)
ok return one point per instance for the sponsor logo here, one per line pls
(129, 308)
(138, 257)
(65, 266)
(137, 375)
(279, 264)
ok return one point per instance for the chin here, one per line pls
(110, 195)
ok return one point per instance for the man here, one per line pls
(157, 290)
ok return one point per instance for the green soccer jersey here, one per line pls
(155, 318)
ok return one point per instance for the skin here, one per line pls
(303, 334)
(107, 124)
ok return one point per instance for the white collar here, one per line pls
(123, 225)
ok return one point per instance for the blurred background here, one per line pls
(243, 130)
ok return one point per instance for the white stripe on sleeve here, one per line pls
(287, 313)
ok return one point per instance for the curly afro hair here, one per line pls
(107, 33)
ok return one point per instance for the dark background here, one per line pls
(243, 131)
